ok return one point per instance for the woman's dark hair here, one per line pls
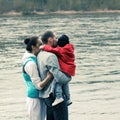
(46, 35)
(63, 40)
(31, 41)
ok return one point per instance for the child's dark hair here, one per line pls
(46, 35)
(63, 40)
(31, 41)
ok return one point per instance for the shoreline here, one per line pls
(13, 13)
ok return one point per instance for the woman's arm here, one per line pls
(32, 70)
(46, 80)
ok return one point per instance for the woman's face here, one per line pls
(36, 48)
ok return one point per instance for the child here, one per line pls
(66, 58)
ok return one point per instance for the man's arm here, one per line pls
(54, 68)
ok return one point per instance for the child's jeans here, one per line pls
(62, 89)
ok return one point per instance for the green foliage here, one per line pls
(56, 5)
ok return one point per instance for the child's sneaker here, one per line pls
(57, 101)
(69, 102)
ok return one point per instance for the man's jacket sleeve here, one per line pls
(54, 68)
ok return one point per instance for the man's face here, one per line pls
(53, 41)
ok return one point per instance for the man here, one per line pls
(48, 62)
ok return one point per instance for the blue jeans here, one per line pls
(58, 112)
(62, 89)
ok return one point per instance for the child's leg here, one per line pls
(66, 92)
(58, 90)
(58, 94)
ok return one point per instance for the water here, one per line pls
(95, 90)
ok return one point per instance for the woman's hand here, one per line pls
(41, 47)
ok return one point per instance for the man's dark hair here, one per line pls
(63, 40)
(46, 35)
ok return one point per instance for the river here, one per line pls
(95, 89)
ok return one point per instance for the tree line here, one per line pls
(57, 5)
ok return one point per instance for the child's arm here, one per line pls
(56, 50)
(46, 80)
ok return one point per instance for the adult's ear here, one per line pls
(33, 47)
(50, 40)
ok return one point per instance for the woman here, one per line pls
(35, 105)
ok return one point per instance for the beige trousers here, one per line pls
(36, 108)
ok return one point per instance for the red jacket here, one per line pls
(66, 57)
